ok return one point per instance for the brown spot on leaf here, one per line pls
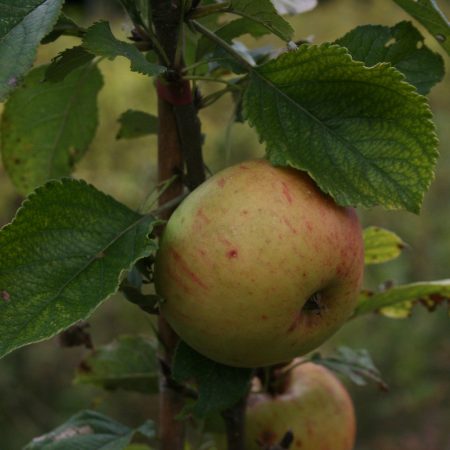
(6, 296)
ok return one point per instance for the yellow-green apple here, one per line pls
(313, 404)
(258, 266)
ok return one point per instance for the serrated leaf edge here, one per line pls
(48, 186)
(422, 106)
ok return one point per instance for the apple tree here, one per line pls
(350, 118)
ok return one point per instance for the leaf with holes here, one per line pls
(90, 430)
(363, 134)
(431, 17)
(62, 256)
(397, 301)
(381, 245)
(129, 363)
(370, 44)
(47, 127)
(100, 41)
(22, 26)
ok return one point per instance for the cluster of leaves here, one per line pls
(352, 113)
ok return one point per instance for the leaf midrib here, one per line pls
(338, 137)
(74, 276)
(21, 19)
(65, 116)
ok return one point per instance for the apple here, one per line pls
(258, 266)
(313, 405)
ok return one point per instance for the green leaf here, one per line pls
(100, 41)
(89, 430)
(47, 127)
(430, 293)
(136, 10)
(381, 245)
(65, 26)
(431, 17)
(219, 386)
(128, 363)
(230, 31)
(138, 447)
(22, 26)
(62, 256)
(135, 124)
(357, 365)
(66, 62)
(363, 134)
(264, 13)
(370, 44)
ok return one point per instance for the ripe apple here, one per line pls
(313, 404)
(258, 266)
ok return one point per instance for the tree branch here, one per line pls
(179, 141)
(234, 418)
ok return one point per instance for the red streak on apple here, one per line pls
(203, 217)
(287, 192)
(175, 277)
(185, 268)
(224, 241)
(290, 226)
(295, 323)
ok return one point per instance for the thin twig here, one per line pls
(220, 42)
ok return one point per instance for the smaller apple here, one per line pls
(312, 403)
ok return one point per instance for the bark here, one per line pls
(179, 141)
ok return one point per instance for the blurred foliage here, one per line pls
(413, 354)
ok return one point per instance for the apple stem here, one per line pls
(234, 418)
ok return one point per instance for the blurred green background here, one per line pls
(413, 354)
